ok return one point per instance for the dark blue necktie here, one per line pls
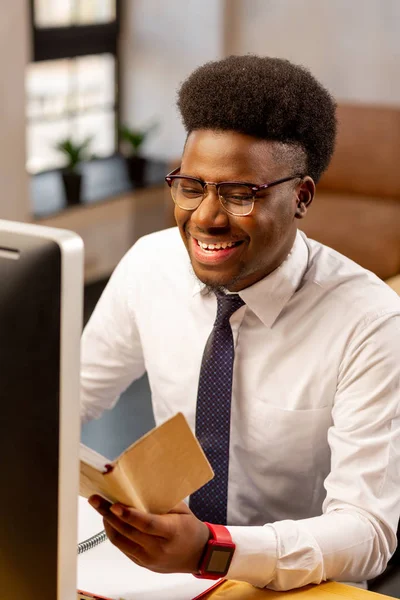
(213, 412)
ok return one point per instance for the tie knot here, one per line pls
(227, 305)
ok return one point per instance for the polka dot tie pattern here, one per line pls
(213, 412)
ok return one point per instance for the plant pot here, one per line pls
(72, 187)
(136, 166)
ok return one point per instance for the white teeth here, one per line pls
(218, 246)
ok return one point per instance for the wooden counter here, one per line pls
(231, 590)
(110, 227)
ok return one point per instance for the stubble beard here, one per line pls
(215, 286)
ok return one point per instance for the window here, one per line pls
(64, 13)
(71, 84)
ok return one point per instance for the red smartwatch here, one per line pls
(218, 553)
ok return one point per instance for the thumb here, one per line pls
(181, 508)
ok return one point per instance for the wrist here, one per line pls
(201, 546)
(217, 553)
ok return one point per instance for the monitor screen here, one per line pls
(41, 290)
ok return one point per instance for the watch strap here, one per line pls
(219, 533)
(220, 541)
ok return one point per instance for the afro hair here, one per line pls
(268, 98)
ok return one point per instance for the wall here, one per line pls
(14, 45)
(353, 47)
(162, 42)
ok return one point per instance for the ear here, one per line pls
(305, 195)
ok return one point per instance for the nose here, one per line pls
(210, 212)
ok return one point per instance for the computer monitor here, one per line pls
(41, 289)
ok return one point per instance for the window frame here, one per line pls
(74, 41)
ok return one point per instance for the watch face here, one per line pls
(219, 560)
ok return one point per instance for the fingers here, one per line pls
(170, 543)
(99, 503)
(145, 556)
(144, 522)
(147, 523)
(133, 551)
(155, 525)
(138, 528)
(144, 539)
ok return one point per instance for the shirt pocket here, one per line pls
(288, 456)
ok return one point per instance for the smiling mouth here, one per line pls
(217, 246)
(216, 253)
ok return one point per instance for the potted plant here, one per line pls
(136, 164)
(75, 153)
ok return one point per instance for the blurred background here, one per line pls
(89, 127)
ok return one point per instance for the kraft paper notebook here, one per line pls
(155, 473)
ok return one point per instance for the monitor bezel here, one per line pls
(72, 285)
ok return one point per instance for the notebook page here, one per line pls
(106, 571)
(93, 458)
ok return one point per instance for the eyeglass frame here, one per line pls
(174, 174)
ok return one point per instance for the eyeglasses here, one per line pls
(236, 197)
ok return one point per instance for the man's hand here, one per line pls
(170, 543)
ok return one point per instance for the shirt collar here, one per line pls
(268, 297)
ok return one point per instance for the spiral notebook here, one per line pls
(106, 573)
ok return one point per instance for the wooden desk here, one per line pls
(231, 590)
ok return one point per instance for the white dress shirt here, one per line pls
(314, 471)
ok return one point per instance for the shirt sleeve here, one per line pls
(355, 535)
(111, 351)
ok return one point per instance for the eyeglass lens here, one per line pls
(188, 194)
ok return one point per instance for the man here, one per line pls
(302, 428)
